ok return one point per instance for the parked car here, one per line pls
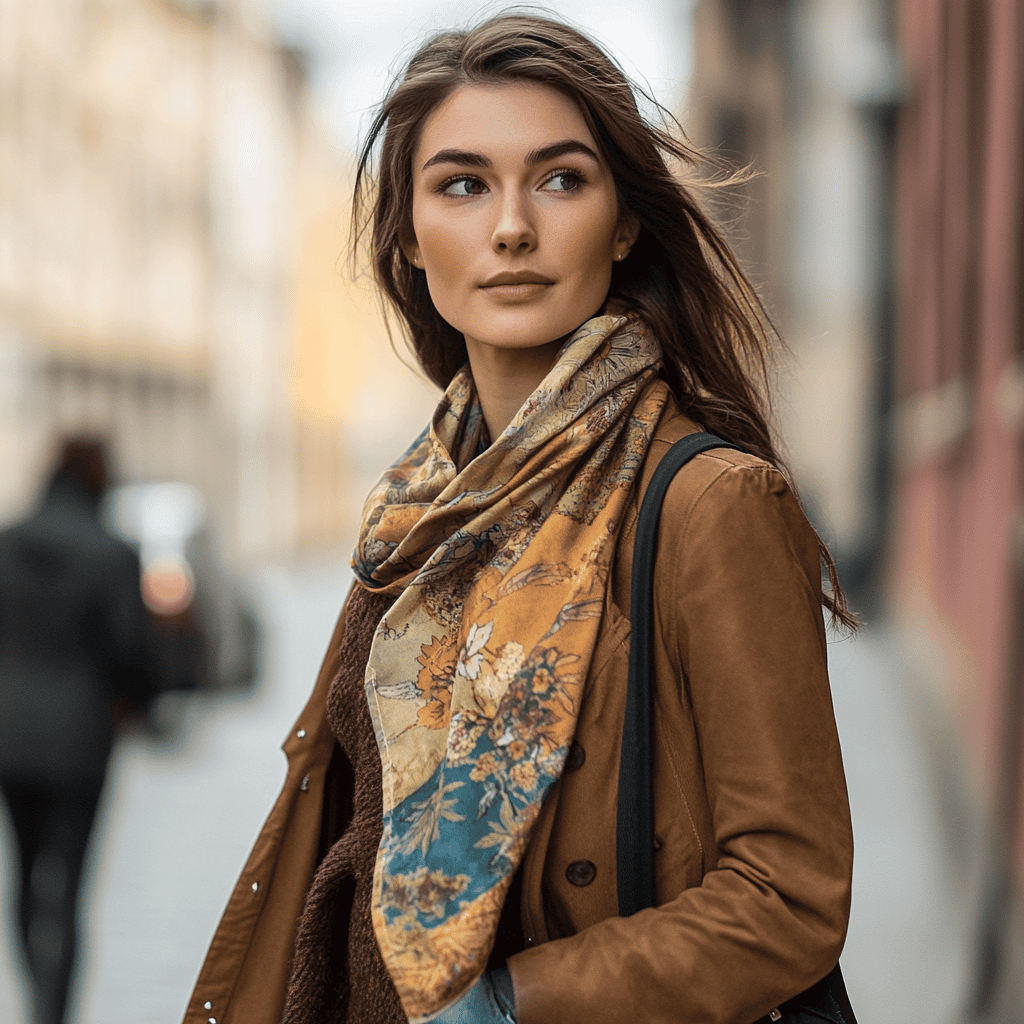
(206, 633)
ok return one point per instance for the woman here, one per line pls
(451, 856)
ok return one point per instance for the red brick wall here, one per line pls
(961, 225)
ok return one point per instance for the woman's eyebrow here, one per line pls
(551, 152)
(557, 149)
(457, 156)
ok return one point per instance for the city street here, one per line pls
(179, 820)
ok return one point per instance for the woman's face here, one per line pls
(514, 217)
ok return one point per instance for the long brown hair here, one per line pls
(681, 275)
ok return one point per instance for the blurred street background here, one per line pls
(174, 185)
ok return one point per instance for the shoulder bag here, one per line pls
(827, 999)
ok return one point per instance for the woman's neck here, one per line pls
(506, 377)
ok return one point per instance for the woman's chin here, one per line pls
(514, 331)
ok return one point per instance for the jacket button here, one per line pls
(577, 755)
(581, 872)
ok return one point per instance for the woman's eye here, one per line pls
(564, 181)
(463, 187)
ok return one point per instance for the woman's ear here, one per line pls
(411, 248)
(626, 233)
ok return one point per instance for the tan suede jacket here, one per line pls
(753, 844)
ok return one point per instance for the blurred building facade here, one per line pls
(959, 533)
(803, 92)
(151, 158)
(350, 379)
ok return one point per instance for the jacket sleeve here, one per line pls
(737, 606)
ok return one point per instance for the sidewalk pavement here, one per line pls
(917, 834)
(178, 823)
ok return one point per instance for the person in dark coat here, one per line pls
(74, 665)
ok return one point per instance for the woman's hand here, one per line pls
(488, 1001)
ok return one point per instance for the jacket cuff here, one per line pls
(531, 972)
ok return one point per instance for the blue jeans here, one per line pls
(489, 1001)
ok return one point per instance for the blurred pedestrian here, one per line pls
(73, 669)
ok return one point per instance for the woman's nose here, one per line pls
(514, 231)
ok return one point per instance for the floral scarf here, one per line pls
(501, 559)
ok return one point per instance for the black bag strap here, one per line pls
(827, 1000)
(634, 832)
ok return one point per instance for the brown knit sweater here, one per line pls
(338, 976)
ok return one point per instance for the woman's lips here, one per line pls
(517, 292)
(516, 286)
